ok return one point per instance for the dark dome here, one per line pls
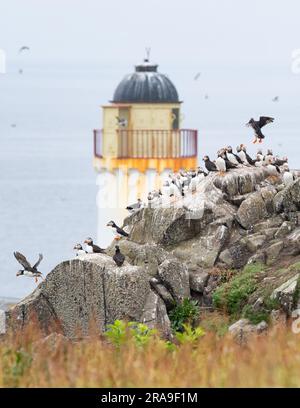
(145, 85)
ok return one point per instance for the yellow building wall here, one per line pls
(152, 116)
(110, 147)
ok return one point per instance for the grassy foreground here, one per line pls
(136, 359)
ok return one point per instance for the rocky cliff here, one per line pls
(245, 217)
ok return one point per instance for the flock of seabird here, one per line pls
(177, 185)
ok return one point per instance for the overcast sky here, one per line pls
(231, 32)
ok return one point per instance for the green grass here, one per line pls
(232, 296)
(186, 312)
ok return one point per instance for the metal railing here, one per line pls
(151, 144)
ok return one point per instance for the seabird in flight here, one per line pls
(30, 271)
(118, 257)
(91, 248)
(257, 125)
(119, 232)
(24, 48)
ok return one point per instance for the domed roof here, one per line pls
(145, 85)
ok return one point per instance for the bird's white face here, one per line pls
(19, 273)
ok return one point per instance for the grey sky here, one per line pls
(259, 32)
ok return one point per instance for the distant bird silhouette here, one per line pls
(24, 48)
(118, 257)
(206, 97)
(30, 271)
(275, 99)
(257, 125)
(197, 76)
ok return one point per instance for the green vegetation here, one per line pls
(185, 313)
(189, 335)
(232, 296)
(119, 333)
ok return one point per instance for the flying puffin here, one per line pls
(221, 164)
(79, 250)
(136, 206)
(30, 271)
(91, 248)
(257, 125)
(209, 165)
(248, 158)
(119, 232)
(118, 257)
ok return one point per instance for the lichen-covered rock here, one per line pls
(288, 200)
(155, 315)
(198, 280)
(273, 251)
(255, 242)
(243, 329)
(252, 210)
(2, 322)
(292, 242)
(80, 293)
(175, 277)
(162, 291)
(286, 293)
(236, 256)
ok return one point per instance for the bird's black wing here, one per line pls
(22, 260)
(98, 250)
(38, 261)
(122, 232)
(264, 120)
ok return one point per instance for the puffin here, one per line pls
(242, 155)
(221, 164)
(79, 250)
(119, 232)
(281, 162)
(118, 257)
(209, 165)
(257, 125)
(233, 158)
(91, 248)
(136, 206)
(288, 177)
(229, 165)
(249, 159)
(29, 271)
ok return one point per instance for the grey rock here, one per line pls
(198, 280)
(165, 295)
(236, 256)
(252, 210)
(259, 257)
(243, 329)
(292, 242)
(273, 252)
(255, 242)
(285, 294)
(2, 322)
(288, 200)
(284, 230)
(155, 315)
(78, 293)
(175, 277)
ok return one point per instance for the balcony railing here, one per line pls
(151, 144)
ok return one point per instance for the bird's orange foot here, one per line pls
(36, 280)
(254, 141)
(117, 238)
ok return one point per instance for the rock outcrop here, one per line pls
(247, 216)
